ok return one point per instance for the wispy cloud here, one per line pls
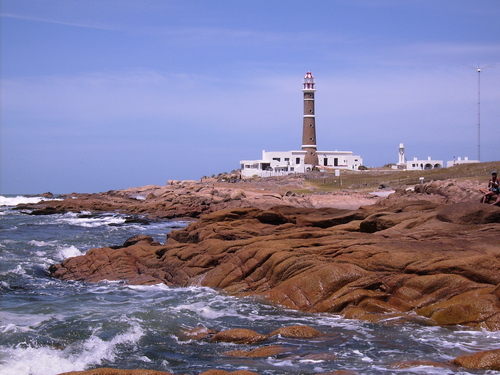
(86, 24)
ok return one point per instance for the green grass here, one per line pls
(361, 180)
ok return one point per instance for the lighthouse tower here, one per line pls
(402, 158)
(309, 127)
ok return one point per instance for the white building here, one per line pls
(465, 160)
(416, 164)
(277, 163)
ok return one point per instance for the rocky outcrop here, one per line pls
(189, 199)
(408, 253)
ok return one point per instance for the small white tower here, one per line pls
(402, 159)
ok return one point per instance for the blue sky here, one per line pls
(110, 94)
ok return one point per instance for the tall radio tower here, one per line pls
(479, 69)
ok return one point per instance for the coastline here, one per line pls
(428, 256)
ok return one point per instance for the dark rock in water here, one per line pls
(140, 238)
(88, 216)
(137, 220)
(48, 211)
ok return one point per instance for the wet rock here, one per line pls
(140, 238)
(298, 331)
(406, 254)
(485, 360)
(48, 211)
(238, 336)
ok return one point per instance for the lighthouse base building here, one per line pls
(278, 163)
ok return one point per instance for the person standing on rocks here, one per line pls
(493, 189)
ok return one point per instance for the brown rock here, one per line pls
(469, 213)
(238, 336)
(140, 238)
(298, 331)
(485, 360)
(402, 258)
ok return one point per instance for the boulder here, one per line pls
(485, 360)
(298, 332)
(238, 336)
(469, 213)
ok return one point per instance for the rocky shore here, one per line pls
(430, 255)
(191, 199)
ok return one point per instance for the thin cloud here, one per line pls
(87, 25)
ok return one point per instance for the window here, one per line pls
(277, 159)
(297, 160)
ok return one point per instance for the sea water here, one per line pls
(49, 326)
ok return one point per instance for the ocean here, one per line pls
(49, 326)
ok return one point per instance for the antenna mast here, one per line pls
(479, 107)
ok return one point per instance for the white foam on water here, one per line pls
(19, 270)
(41, 243)
(90, 222)
(138, 197)
(28, 360)
(17, 322)
(146, 288)
(14, 201)
(68, 252)
(201, 309)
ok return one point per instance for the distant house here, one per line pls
(416, 164)
(459, 161)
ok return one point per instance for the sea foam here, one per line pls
(20, 199)
(26, 359)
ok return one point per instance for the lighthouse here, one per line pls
(279, 163)
(309, 122)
